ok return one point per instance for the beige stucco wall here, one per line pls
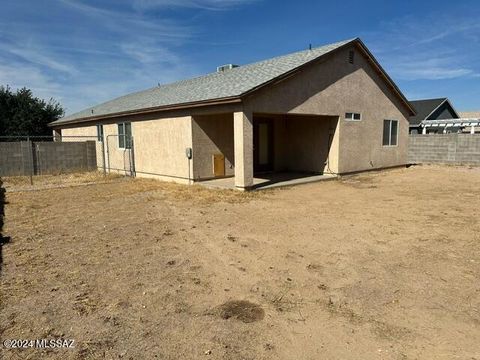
(212, 134)
(159, 147)
(301, 143)
(308, 143)
(243, 148)
(335, 87)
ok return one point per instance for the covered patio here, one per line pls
(250, 151)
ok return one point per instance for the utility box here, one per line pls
(218, 165)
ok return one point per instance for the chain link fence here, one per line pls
(119, 155)
(65, 158)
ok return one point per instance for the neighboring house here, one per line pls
(431, 109)
(331, 109)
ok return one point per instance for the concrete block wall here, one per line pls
(455, 149)
(61, 157)
(212, 134)
(40, 158)
(15, 158)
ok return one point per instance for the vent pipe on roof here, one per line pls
(226, 67)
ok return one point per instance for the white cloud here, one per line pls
(198, 4)
(433, 73)
(130, 23)
(30, 77)
(147, 52)
(436, 48)
(38, 57)
(89, 54)
(424, 67)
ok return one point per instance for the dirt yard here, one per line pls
(377, 266)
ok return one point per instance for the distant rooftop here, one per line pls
(424, 108)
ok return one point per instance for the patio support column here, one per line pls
(243, 144)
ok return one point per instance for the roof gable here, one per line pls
(444, 111)
(427, 107)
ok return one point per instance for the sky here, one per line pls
(84, 52)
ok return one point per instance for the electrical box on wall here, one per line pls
(218, 161)
(188, 153)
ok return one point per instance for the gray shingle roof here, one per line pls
(231, 83)
(424, 108)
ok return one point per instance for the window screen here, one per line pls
(125, 135)
(394, 133)
(121, 136)
(386, 132)
(353, 116)
(128, 135)
(390, 132)
(99, 132)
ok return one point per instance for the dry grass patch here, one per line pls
(42, 182)
(199, 193)
(132, 186)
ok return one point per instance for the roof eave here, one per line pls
(220, 101)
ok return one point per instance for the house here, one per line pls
(326, 110)
(431, 109)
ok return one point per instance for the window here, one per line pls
(353, 116)
(390, 132)
(99, 132)
(125, 135)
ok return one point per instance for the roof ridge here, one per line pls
(440, 98)
(278, 57)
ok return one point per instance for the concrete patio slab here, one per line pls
(269, 181)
